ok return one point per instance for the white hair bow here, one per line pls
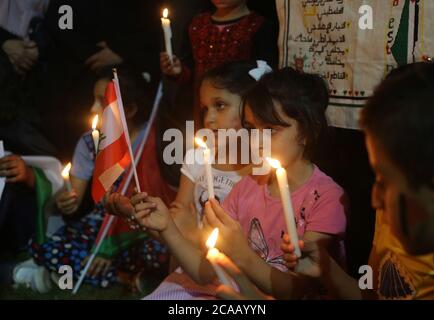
(262, 69)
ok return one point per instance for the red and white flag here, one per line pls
(114, 150)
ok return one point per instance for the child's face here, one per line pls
(228, 4)
(286, 145)
(407, 210)
(221, 108)
(99, 96)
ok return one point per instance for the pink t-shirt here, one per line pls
(319, 206)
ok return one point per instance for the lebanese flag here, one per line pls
(119, 236)
(113, 156)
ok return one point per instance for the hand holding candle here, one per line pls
(212, 256)
(165, 22)
(65, 175)
(282, 180)
(95, 133)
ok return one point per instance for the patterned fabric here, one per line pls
(72, 243)
(212, 47)
(398, 275)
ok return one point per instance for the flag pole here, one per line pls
(124, 124)
(124, 189)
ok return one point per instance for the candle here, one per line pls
(212, 256)
(66, 179)
(165, 22)
(282, 180)
(95, 133)
(208, 168)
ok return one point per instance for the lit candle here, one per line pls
(95, 133)
(165, 22)
(282, 180)
(66, 179)
(212, 256)
(208, 168)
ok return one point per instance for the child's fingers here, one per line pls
(140, 215)
(98, 268)
(139, 197)
(69, 202)
(193, 208)
(110, 204)
(106, 267)
(212, 220)
(220, 212)
(145, 206)
(301, 244)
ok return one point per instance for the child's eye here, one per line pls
(220, 105)
(273, 130)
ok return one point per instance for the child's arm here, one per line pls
(153, 214)
(183, 210)
(270, 280)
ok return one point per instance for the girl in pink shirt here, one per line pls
(251, 220)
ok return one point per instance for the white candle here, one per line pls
(208, 168)
(212, 256)
(66, 179)
(165, 22)
(282, 180)
(95, 133)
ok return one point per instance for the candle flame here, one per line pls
(65, 172)
(274, 163)
(200, 142)
(165, 13)
(212, 239)
(95, 122)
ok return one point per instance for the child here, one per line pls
(221, 93)
(397, 120)
(293, 106)
(72, 244)
(251, 221)
(231, 33)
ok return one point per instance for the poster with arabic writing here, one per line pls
(324, 37)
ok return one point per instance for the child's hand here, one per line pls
(185, 217)
(289, 256)
(231, 240)
(151, 212)
(15, 170)
(170, 68)
(99, 266)
(308, 264)
(248, 291)
(119, 205)
(67, 202)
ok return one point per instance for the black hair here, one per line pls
(400, 116)
(134, 90)
(232, 76)
(304, 97)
